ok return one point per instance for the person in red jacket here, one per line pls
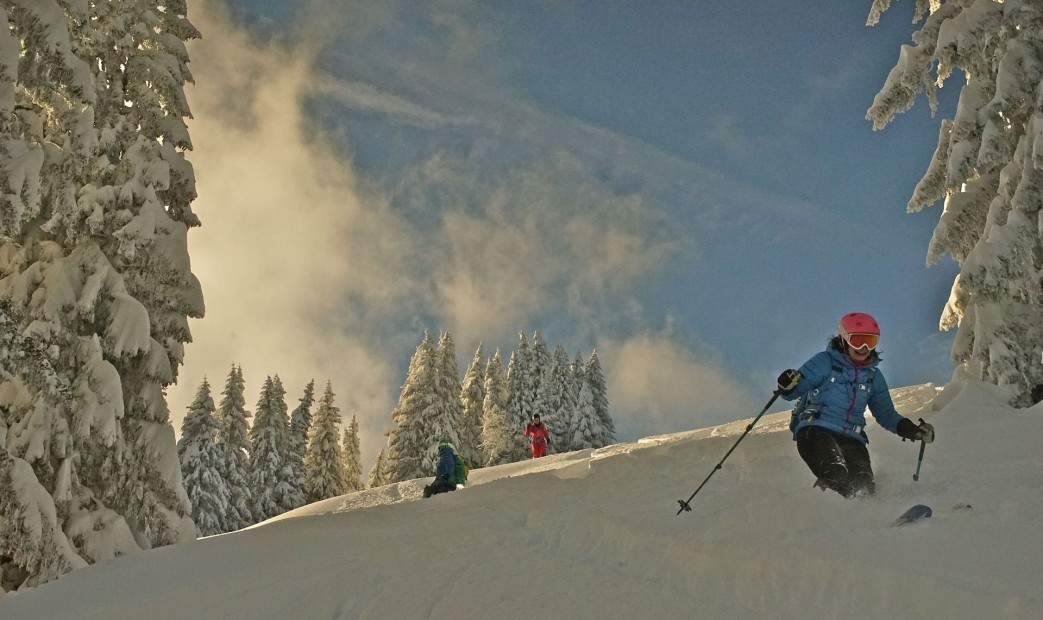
(538, 431)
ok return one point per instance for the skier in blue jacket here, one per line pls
(832, 390)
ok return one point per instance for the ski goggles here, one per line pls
(866, 342)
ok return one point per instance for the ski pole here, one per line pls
(685, 507)
(919, 461)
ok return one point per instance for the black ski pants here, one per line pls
(840, 463)
(440, 484)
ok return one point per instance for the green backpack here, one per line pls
(460, 473)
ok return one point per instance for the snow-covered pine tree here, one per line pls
(472, 399)
(559, 400)
(378, 475)
(33, 547)
(595, 378)
(445, 419)
(988, 168)
(519, 398)
(409, 437)
(578, 374)
(137, 207)
(201, 462)
(539, 372)
(498, 436)
(586, 427)
(351, 453)
(269, 439)
(233, 438)
(323, 463)
(290, 493)
(96, 209)
(300, 423)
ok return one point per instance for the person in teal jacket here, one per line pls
(445, 470)
(833, 390)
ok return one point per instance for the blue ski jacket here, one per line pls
(833, 393)
(446, 464)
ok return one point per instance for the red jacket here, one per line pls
(538, 432)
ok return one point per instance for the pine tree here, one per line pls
(578, 374)
(988, 169)
(472, 399)
(519, 398)
(498, 436)
(409, 438)
(95, 210)
(351, 452)
(323, 463)
(559, 400)
(586, 427)
(32, 541)
(201, 461)
(599, 398)
(539, 369)
(445, 418)
(269, 443)
(300, 422)
(233, 437)
(378, 475)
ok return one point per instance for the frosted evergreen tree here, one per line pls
(95, 204)
(559, 399)
(33, 546)
(300, 422)
(988, 169)
(233, 437)
(498, 435)
(578, 375)
(595, 378)
(445, 418)
(269, 443)
(323, 462)
(472, 400)
(351, 453)
(135, 208)
(586, 427)
(201, 462)
(291, 492)
(519, 398)
(539, 369)
(378, 475)
(409, 438)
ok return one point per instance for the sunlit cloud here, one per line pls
(667, 387)
(293, 257)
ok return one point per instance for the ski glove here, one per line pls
(908, 430)
(788, 380)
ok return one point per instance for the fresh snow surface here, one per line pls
(595, 534)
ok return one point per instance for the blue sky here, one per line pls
(690, 188)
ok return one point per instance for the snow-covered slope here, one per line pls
(595, 534)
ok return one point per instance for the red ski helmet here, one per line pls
(862, 325)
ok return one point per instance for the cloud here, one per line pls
(367, 98)
(668, 387)
(296, 261)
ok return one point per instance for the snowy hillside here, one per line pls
(595, 535)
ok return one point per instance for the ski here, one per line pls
(918, 512)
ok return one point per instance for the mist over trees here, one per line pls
(988, 170)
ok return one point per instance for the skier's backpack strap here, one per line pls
(804, 408)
